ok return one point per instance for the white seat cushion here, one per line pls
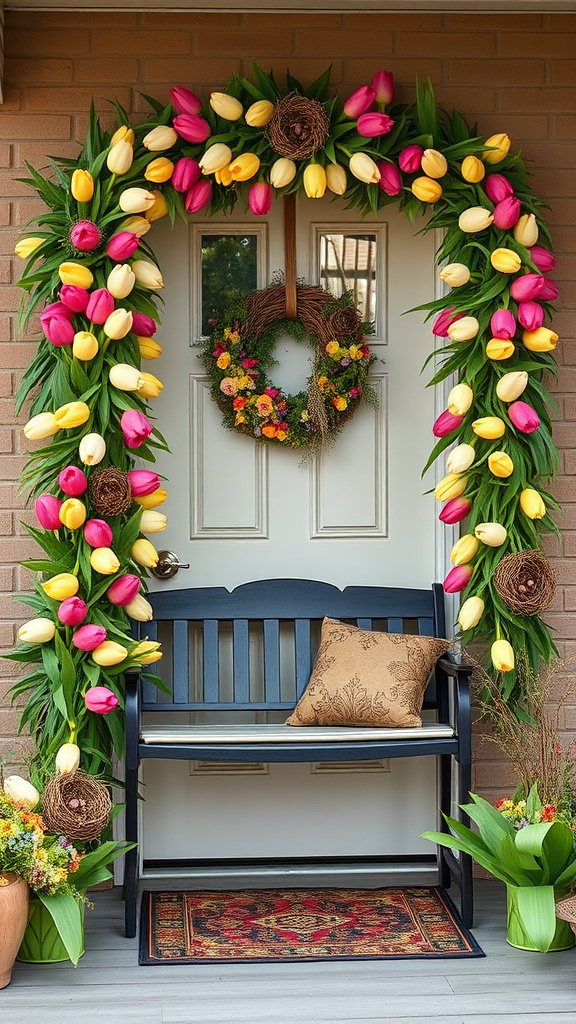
(287, 734)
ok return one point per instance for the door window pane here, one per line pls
(348, 263)
(229, 264)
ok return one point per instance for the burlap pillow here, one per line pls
(361, 677)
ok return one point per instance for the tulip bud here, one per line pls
(502, 656)
(57, 329)
(549, 292)
(184, 101)
(314, 181)
(542, 259)
(443, 321)
(61, 586)
(498, 188)
(26, 246)
(36, 631)
(512, 385)
(390, 178)
(133, 226)
(460, 398)
(460, 459)
(374, 124)
(259, 113)
(139, 609)
(82, 186)
(159, 170)
(472, 169)
(215, 158)
(363, 167)
(457, 579)
(152, 521)
(120, 157)
(523, 417)
(489, 427)
(499, 349)
(100, 306)
(157, 497)
(152, 387)
(67, 758)
(540, 340)
(145, 553)
(97, 533)
(506, 213)
(143, 324)
(464, 329)
(147, 274)
(147, 652)
(260, 198)
(526, 230)
(143, 481)
(104, 561)
(383, 86)
(72, 481)
(72, 611)
(359, 102)
(446, 423)
(434, 163)
(85, 236)
(118, 324)
(122, 246)
(223, 177)
(92, 449)
(85, 346)
(499, 145)
(192, 128)
(464, 550)
(530, 315)
(100, 699)
(121, 281)
(503, 324)
(47, 509)
(244, 166)
(135, 200)
(76, 274)
(455, 511)
(71, 415)
(282, 172)
(527, 287)
(198, 196)
(123, 590)
(149, 349)
(41, 426)
(474, 219)
(531, 504)
(455, 275)
(336, 179)
(73, 513)
(123, 133)
(88, 637)
(226, 106)
(470, 613)
(500, 465)
(135, 428)
(506, 261)
(410, 159)
(426, 189)
(74, 299)
(161, 137)
(491, 534)
(451, 486)
(21, 792)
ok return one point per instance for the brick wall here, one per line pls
(513, 73)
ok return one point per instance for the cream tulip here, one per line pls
(460, 399)
(67, 758)
(126, 377)
(455, 275)
(92, 449)
(120, 157)
(434, 163)
(135, 200)
(139, 609)
(118, 324)
(526, 230)
(37, 631)
(512, 385)
(502, 656)
(363, 167)
(474, 219)
(336, 179)
(227, 107)
(21, 792)
(109, 653)
(161, 137)
(491, 534)
(470, 613)
(104, 561)
(464, 329)
(121, 281)
(282, 172)
(43, 425)
(215, 158)
(148, 275)
(145, 553)
(152, 521)
(464, 550)
(460, 459)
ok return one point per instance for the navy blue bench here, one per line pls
(196, 620)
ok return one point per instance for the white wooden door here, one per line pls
(238, 511)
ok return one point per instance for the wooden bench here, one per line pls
(201, 620)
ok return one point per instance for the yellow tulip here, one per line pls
(104, 561)
(216, 158)
(282, 172)
(149, 349)
(464, 550)
(158, 209)
(526, 230)
(434, 163)
(475, 218)
(44, 424)
(21, 792)
(37, 631)
(244, 166)
(67, 758)
(123, 134)
(491, 534)
(259, 113)
(501, 142)
(314, 181)
(120, 157)
(161, 137)
(455, 275)
(118, 324)
(152, 500)
(76, 274)
(159, 170)
(450, 486)
(363, 167)
(139, 609)
(470, 613)
(82, 186)
(460, 399)
(135, 200)
(499, 349)
(540, 340)
(85, 346)
(73, 414)
(72, 513)
(26, 246)
(61, 586)
(145, 553)
(109, 653)
(489, 427)
(512, 385)
(148, 275)
(151, 387)
(531, 504)
(506, 261)
(472, 169)
(336, 179)
(226, 106)
(464, 329)
(500, 464)
(152, 522)
(137, 225)
(92, 449)
(126, 377)
(502, 656)
(426, 189)
(460, 459)
(147, 652)
(121, 280)
(223, 177)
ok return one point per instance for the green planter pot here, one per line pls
(517, 936)
(42, 943)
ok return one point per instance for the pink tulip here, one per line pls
(143, 481)
(85, 236)
(549, 291)
(390, 180)
(383, 86)
(260, 198)
(455, 510)
(135, 427)
(184, 101)
(100, 699)
(72, 611)
(123, 590)
(410, 159)
(198, 196)
(192, 128)
(530, 315)
(359, 102)
(186, 173)
(527, 287)
(443, 322)
(457, 579)
(524, 417)
(122, 246)
(97, 533)
(503, 324)
(72, 481)
(543, 259)
(498, 188)
(143, 325)
(446, 423)
(59, 309)
(374, 124)
(74, 299)
(47, 509)
(58, 330)
(100, 305)
(506, 213)
(88, 637)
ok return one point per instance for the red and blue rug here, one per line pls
(261, 925)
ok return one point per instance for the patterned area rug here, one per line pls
(300, 924)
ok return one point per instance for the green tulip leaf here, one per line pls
(64, 910)
(537, 912)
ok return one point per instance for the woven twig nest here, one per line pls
(566, 911)
(267, 306)
(298, 127)
(525, 581)
(76, 805)
(110, 492)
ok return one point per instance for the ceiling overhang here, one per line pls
(303, 6)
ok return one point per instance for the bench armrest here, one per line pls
(132, 715)
(454, 676)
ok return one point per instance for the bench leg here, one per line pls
(131, 858)
(466, 877)
(445, 781)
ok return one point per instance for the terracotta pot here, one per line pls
(13, 915)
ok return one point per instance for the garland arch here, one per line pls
(90, 269)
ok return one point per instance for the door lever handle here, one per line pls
(168, 565)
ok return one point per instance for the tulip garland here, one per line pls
(90, 261)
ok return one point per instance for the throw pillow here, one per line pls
(361, 677)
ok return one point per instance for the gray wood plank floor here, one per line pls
(507, 987)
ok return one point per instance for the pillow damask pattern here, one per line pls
(361, 677)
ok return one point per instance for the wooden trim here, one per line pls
(303, 6)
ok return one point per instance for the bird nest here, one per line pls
(110, 492)
(298, 127)
(525, 581)
(76, 805)
(566, 911)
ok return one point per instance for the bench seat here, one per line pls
(193, 735)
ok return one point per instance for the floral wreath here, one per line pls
(91, 262)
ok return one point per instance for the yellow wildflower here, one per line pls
(332, 348)
(223, 361)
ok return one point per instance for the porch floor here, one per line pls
(507, 987)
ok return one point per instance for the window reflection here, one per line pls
(229, 264)
(348, 263)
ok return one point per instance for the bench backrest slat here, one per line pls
(210, 661)
(149, 691)
(241, 654)
(303, 654)
(180, 658)
(395, 625)
(272, 659)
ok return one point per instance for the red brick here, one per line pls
(39, 42)
(53, 126)
(27, 71)
(564, 126)
(411, 44)
(513, 72)
(188, 70)
(109, 41)
(188, 19)
(493, 22)
(405, 70)
(76, 98)
(303, 20)
(536, 44)
(107, 69)
(546, 99)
